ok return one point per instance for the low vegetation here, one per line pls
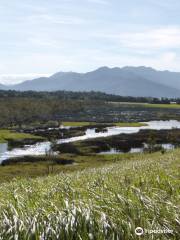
(108, 202)
(130, 124)
(76, 124)
(171, 106)
(119, 124)
(152, 139)
(77, 193)
(7, 135)
(35, 166)
(148, 105)
(19, 109)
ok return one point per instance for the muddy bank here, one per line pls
(35, 159)
(57, 133)
(14, 143)
(121, 142)
(64, 133)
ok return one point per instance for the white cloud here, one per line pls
(158, 38)
(44, 41)
(56, 19)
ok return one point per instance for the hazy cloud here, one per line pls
(153, 39)
(55, 19)
(49, 36)
(104, 2)
(17, 78)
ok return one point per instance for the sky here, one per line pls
(41, 37)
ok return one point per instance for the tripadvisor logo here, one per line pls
(140, 231)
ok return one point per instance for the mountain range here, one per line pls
(126, 81)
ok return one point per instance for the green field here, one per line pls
(106, 202)
(119, 124)
(40, 166)
(147, 105)
(6, 135)
(76, 124)
(174, 106)
(133, 124)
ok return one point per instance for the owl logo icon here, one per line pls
(139, 231)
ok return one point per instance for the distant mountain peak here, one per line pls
(144, 68)
(127, 81)
(3, 87)
(103, 68)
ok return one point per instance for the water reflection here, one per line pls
(165, 146)
(41, 148)
(3, 148)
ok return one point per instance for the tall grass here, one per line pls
(104, 203)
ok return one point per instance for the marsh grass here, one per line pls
(119, 124)
(130, 124)
(77, 124)
(6, 135)
(97, 203)
(146, 105)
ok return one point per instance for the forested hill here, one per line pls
(69, 95)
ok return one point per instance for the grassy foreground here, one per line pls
(11, 135)
(104, 203)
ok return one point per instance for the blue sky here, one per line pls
(41, 37)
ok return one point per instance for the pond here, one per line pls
(42, 147)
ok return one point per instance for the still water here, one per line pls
(43, 147)
(165, 146)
